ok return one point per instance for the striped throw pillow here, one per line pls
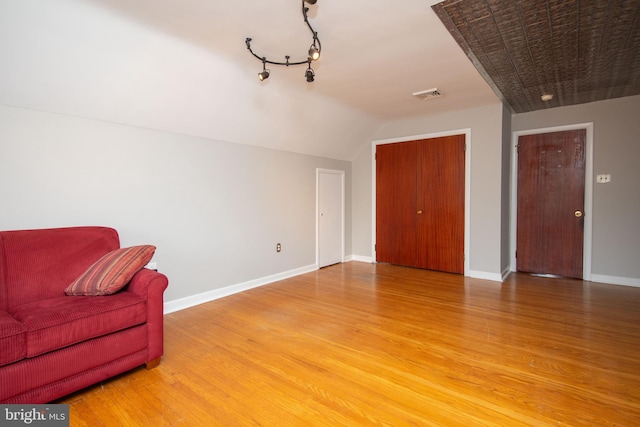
(111, 272)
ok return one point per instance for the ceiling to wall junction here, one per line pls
(182, 66)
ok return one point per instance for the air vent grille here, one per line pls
(428, 94)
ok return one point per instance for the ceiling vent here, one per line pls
(428, 94)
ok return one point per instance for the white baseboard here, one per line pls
(496, 277)
(361, 258)
(614, 280)
(191, 301)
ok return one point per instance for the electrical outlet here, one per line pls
(603, 178)
(278, 247)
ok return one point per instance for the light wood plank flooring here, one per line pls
(359, 344)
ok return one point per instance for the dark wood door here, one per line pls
(420, 203)
(440, 198)
(550, 205)
(396, 203)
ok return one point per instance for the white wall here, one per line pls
(505, 259)
(361, 204)
(215, 210)
(486, 123)
(616, 205)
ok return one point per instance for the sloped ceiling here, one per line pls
(182, 66)
(375, 54)
(579, 51)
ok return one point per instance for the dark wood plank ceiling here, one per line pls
(577, 50)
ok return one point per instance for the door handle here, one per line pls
(578, 214)
(419, 212)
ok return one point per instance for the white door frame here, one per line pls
(467, 186)
(588, 192)
(342, 209)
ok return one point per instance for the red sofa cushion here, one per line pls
(38, 264)
(111, 272)
(12, 339)
(58, 322)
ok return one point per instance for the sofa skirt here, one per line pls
(53, 375)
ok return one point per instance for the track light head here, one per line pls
(314, 53)
(309, 74)
(264, 74)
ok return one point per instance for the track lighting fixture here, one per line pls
(264, 74)
(310, 74)
(313, 54)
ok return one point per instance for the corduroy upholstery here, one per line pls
(12, 339)
(111, 272)
(52, 344)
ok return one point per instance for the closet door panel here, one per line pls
(396, 203)
(440, 204)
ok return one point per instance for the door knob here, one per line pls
(578, 214)
(420, 212)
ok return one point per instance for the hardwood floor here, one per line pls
(360, 344)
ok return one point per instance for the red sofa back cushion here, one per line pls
(38, 264)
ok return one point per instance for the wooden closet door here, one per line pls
(420, 203)
(440, 204)
(396, 203)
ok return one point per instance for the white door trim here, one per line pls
(467, 186)
(588, 192)
(342, 209)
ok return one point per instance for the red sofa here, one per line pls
(52, 344)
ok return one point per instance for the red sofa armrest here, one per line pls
(150, 285)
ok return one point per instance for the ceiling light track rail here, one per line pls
(313, 54)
